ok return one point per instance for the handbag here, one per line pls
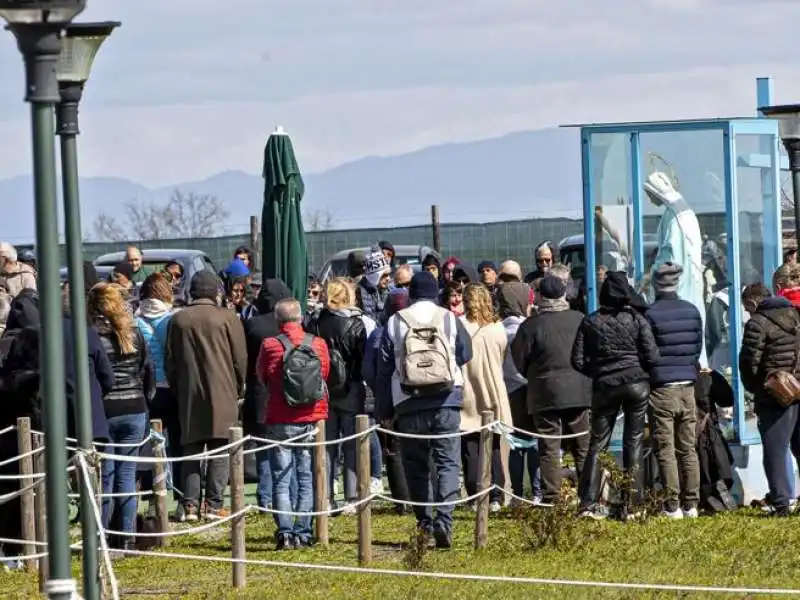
(783, 385)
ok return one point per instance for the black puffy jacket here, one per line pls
(615, 344)
(770, 343)
(344, 330)
(134, 375)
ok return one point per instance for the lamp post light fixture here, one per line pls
(788, 117)
(80, 44)
(38, 25)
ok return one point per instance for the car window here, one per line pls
(208, 264)
(198, 264)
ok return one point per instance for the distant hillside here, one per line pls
(522, 175)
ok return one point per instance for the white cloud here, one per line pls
(184, 89)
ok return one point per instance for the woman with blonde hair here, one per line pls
(126, 404)
(484, 387)
(345, 329)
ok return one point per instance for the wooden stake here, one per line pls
(437, 228)
(255, 244)
(237, 504)
(27, 502)
(484, 481)
(40, 505)
(321, 485)
(160, 485)
(364, 478)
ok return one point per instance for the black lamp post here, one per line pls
(80, 44)
(788, 117)
(37, 25)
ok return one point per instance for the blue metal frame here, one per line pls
(766, 158)
(636, 200)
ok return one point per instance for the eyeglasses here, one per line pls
(404, 284)
(313, 293)
(547, 261)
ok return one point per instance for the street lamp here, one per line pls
(80, 44)
(37, 25)
(788, 117)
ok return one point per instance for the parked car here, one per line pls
(103, 273)
(571, 252)
(192, 261)
(336, 266)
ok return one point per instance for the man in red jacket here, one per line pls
(285, 420)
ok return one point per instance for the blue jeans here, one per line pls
(120, 477)
(516, 470)
(287, 462)
(446, 455)
(264, 489)
(341, 424)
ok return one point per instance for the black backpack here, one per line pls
(338, 378)
(303, 383)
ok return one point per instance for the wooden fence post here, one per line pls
(237, 504)
(436, 228)
(484, 481)
(40, 504)
(321, 485)
(364, 478)
(160, 484)
(255, 244)
(27, 502)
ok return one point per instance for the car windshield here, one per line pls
(339, 266)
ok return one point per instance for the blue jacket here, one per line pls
(101, 380)
(385, 367)
(678, 331)
(154, 332)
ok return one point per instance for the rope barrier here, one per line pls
(473, 577)
(8, 429)
(505, 429)
(217, 453)
(275, 443)
(19, 457)
(87, 481)
(293, 444)
(176, 532)
(435, 436)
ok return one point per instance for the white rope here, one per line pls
(528, 501)
(22, 542)
(141, 494)
(8, 429)
(103, 444)
(434, 436)
(19, 457)
(316, 513)
(23, 557)
(176, 532)
(11, 495)
(503, 429)
(217, 453)
(472, 577)
(87, 481)
(36, 476)
(438, 504)
(275, 443)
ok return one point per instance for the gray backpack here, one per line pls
(425, 369)
(303, 383)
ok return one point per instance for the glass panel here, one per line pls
(613, 225)
(611, 185)
(693, 163)
(757, 204)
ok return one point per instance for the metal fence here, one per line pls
(470, 242)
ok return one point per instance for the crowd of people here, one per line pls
(421, 351)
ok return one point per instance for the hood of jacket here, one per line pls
(352, 311)
(513, 299)
(780, 311)
(152, 308)
(616, 291)
(463, 269)
(24, 311)
(272, 292)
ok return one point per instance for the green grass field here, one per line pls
(741, 550)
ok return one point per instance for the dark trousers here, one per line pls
(560, 422)
(632, 399)
(217, 473)
(470, 451)
(780, 429)
(398, 486)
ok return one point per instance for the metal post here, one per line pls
(67, 129)
(40, 46)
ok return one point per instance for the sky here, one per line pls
(186, 89)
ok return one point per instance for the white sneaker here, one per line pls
(537, 500)
(495, 507)
(336, 487)
(349, 509)
(690, 513)
(376, 486)
(675, 514)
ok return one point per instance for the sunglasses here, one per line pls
(314, 293)
(405, 284)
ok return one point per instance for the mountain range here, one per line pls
(521, 175)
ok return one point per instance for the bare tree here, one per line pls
(184, 215)
(319, 219)
(105, 228)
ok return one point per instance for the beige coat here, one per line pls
(484, 388)
(206, 364)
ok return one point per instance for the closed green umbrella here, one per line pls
(283, 240)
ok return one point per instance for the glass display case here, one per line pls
(727, 172)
